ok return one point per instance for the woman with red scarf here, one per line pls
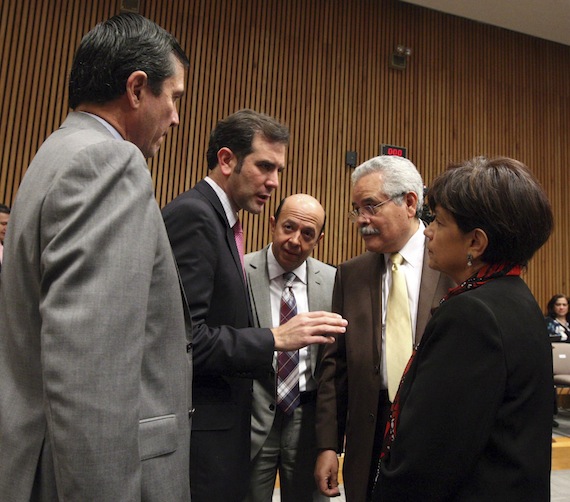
(472, 419)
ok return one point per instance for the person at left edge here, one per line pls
(4, 217)
(95, 378)
(246, 152)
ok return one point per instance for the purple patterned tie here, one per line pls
(288, 362)
(238, 235)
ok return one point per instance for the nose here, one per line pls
(272, 179)
(428, 231)
(175, 119)
(363, 219)
(295, 238)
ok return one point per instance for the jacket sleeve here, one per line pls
(332, 396)
(219, 348)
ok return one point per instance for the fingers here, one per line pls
(326, 473)
(325, 320)
(320, 317)
(308, 328)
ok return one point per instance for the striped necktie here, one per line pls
(288, 362)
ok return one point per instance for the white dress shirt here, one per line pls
(276, 285)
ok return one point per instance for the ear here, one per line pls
(226, 160)
(320, 238)
(411, 201)
(479, 242)
(272, 223)
(136, 83)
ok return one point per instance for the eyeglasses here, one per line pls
(366, 211)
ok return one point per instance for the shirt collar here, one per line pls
(108, 126)
(413, 250)
(275, 270)
(231, 215)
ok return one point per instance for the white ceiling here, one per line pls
(547, 19)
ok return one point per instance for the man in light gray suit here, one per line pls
(95, 375)
(283, 439)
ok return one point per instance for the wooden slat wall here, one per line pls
(320, 66)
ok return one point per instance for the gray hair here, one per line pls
(399, 176)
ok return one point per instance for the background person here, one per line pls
(245, 155)
(472, 418)
(94, 375)
(4, 217)
(353, 394)
(557, 317)
(283, 437)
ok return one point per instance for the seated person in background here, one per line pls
(557, 317)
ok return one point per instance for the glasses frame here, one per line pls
(369, 210)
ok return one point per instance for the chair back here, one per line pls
(561, 358)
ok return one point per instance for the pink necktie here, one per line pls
(238, 235)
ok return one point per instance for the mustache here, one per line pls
(368, 231)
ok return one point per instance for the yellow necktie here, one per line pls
(398, 327)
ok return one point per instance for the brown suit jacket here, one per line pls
(350, 374)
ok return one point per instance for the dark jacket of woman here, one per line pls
(476, 405)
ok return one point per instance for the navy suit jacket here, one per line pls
(228, 352)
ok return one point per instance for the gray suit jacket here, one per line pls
(320, 281)
(94, 371)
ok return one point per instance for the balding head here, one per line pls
(297, 228)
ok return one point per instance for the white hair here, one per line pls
(399, 176)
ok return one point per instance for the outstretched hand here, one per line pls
(308, 328)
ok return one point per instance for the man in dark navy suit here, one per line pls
(246, 153)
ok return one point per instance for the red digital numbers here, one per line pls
(395, 151)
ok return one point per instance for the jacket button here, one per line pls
(191, 412)
(272, 407)
(371, 417)
(188, 347)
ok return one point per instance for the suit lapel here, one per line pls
(428, 286)
(208, 192)
(375, 288)
(317, 298)
(258, 284)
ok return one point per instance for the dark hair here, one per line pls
(4, 209)
(237, 131)
(550, 307)
(501, 197)
(116, 48)
(278, 212)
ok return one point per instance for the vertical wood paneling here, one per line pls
(321, 67)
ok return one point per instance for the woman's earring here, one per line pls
(469, 260)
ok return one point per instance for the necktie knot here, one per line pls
(289, 279)
(237, 228)
(397, 259)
